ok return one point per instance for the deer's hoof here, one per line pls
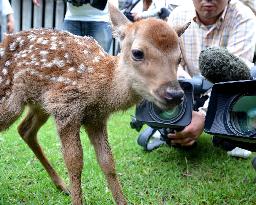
(63, 187)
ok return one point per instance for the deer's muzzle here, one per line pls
(170, 94)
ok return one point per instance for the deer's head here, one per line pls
(150, 53)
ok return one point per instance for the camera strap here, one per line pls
(148, 141)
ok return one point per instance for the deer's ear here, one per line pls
(181, 29)
(118, 20)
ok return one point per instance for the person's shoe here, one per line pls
(239, 152)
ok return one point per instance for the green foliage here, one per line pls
(166, 176)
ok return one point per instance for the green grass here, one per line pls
(166, 176)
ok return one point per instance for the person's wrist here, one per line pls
(202, 112)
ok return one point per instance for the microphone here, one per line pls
(218, 65)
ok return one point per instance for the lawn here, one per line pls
(166, 176)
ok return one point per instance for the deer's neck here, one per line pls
(122, 95)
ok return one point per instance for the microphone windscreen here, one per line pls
(218, 65)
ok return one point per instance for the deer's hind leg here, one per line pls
(10, 109)
(28, 129)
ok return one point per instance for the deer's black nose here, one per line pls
(174, 96)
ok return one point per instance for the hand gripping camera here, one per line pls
(172, 120)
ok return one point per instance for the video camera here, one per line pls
(169, 121)
(232, 111)
(98, 4)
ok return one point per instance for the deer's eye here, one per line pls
(137, 55)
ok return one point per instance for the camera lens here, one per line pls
(242, 115)
(168, 116)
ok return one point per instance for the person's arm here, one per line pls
(36, 2)
(10, 23)
(152, 11)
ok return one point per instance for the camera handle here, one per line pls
(147, 141)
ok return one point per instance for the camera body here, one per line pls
(99, 4)
(176, 119)
(172, 120)
(232, 111)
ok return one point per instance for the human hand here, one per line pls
(36, 2)
(10, 23)
(136, 16)
(189, 134)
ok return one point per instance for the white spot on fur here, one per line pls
(31, 37)
(53, 38)
(47, 65)
(13, 46)
(71, 69)
(53, 46)
(44, 42)
(2, 50)
(53, 78)
(18, 39)
(62, 44)
(43, 60)
(1, 79)
(81, 68)
(66, 55)
(22, 42)
(7, 63)
(61, 79)
(96, 59)
(7, 82)
(59, 63)
(4, 71)
(85, 52)
(44, 54)
(39, 40)
(90, 69)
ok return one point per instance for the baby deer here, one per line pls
(72, 79)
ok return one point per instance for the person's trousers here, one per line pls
(100, 31)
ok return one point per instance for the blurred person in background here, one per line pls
(7, 20)
(86, 20)
(141, 9)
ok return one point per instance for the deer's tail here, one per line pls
(5, 66)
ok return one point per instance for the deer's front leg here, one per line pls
(73, 156)
(99, 138)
